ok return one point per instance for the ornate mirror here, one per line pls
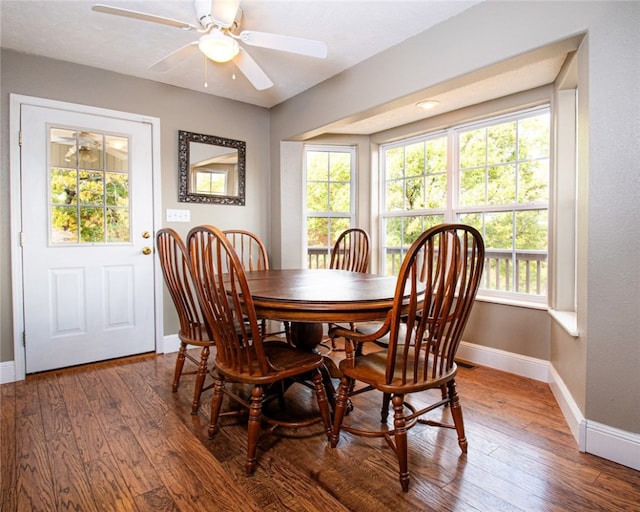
(212, 169)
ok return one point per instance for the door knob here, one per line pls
(146, 250)
(146, 234)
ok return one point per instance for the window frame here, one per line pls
(453, 209)
(353, 196)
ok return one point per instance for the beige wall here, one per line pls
(177, 109)
(600, 368)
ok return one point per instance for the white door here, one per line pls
(87, 226)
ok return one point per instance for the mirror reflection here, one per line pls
(212, 169)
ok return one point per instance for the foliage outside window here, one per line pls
(88, 187)
(497, 180)
(329, 199)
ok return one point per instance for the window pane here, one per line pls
(501, 143)
(472, 187)
(415, 159)
(117, 155)
(340, 197)
(340, 169)
(317, 197)
(472, 148)
(499, 230)
(533, 137)
(317, 165)
(63, 186)
(394, 163)
(337, 226)
(436, 155)
(415, 193)
(532, 229)
(91, 224)
(89, 150)
(117, 186)
(118, 225)
(91, 188)
(62, 147)
(436, 191)
(471, 219)
(394, 196)
(64, 225)
(501, 187)
(533, 182)
(317, 231)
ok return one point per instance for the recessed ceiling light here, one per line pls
(427, 104)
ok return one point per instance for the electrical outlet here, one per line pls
(178, 215)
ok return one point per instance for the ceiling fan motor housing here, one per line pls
(219, 13)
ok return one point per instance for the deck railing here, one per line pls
(527, 274)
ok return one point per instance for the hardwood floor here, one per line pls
(112, 436)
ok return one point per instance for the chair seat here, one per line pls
(371, 369)
(285, 361)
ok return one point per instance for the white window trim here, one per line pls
(336, 148)
(450, 213)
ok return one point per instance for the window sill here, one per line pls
(511, 302)
(568, 320)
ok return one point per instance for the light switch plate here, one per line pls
(178, 215)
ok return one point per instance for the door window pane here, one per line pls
(88, 187)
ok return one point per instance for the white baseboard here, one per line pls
(7, 372)
(171, 344)
(524, 366)
(613, 444)
(592, 437)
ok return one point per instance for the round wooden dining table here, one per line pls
(310, 297)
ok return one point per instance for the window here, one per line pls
(88, 187)
(493, 175)
(330, 203)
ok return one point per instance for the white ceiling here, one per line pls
(353, 30)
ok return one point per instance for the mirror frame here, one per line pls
(184, 163)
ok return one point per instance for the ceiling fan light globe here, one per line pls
(218, 46)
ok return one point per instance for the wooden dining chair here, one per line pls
(243, 356)
(253, 256)
(350, 252)
(436, 288)
(178, 277)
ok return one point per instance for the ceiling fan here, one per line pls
(217, 21)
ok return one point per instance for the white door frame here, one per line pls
(16, 100)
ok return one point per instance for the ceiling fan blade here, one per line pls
(252, 71)
(223, 12)
(166, 63)
(105, 9)
(284, 43)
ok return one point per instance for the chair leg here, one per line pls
(287, 332)
(216, 404)
(323, 403)
(201, 375)
(384, 413)
(456, 413)
(253, 428)
(179, 366)
(340, 409)
(400, 427)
